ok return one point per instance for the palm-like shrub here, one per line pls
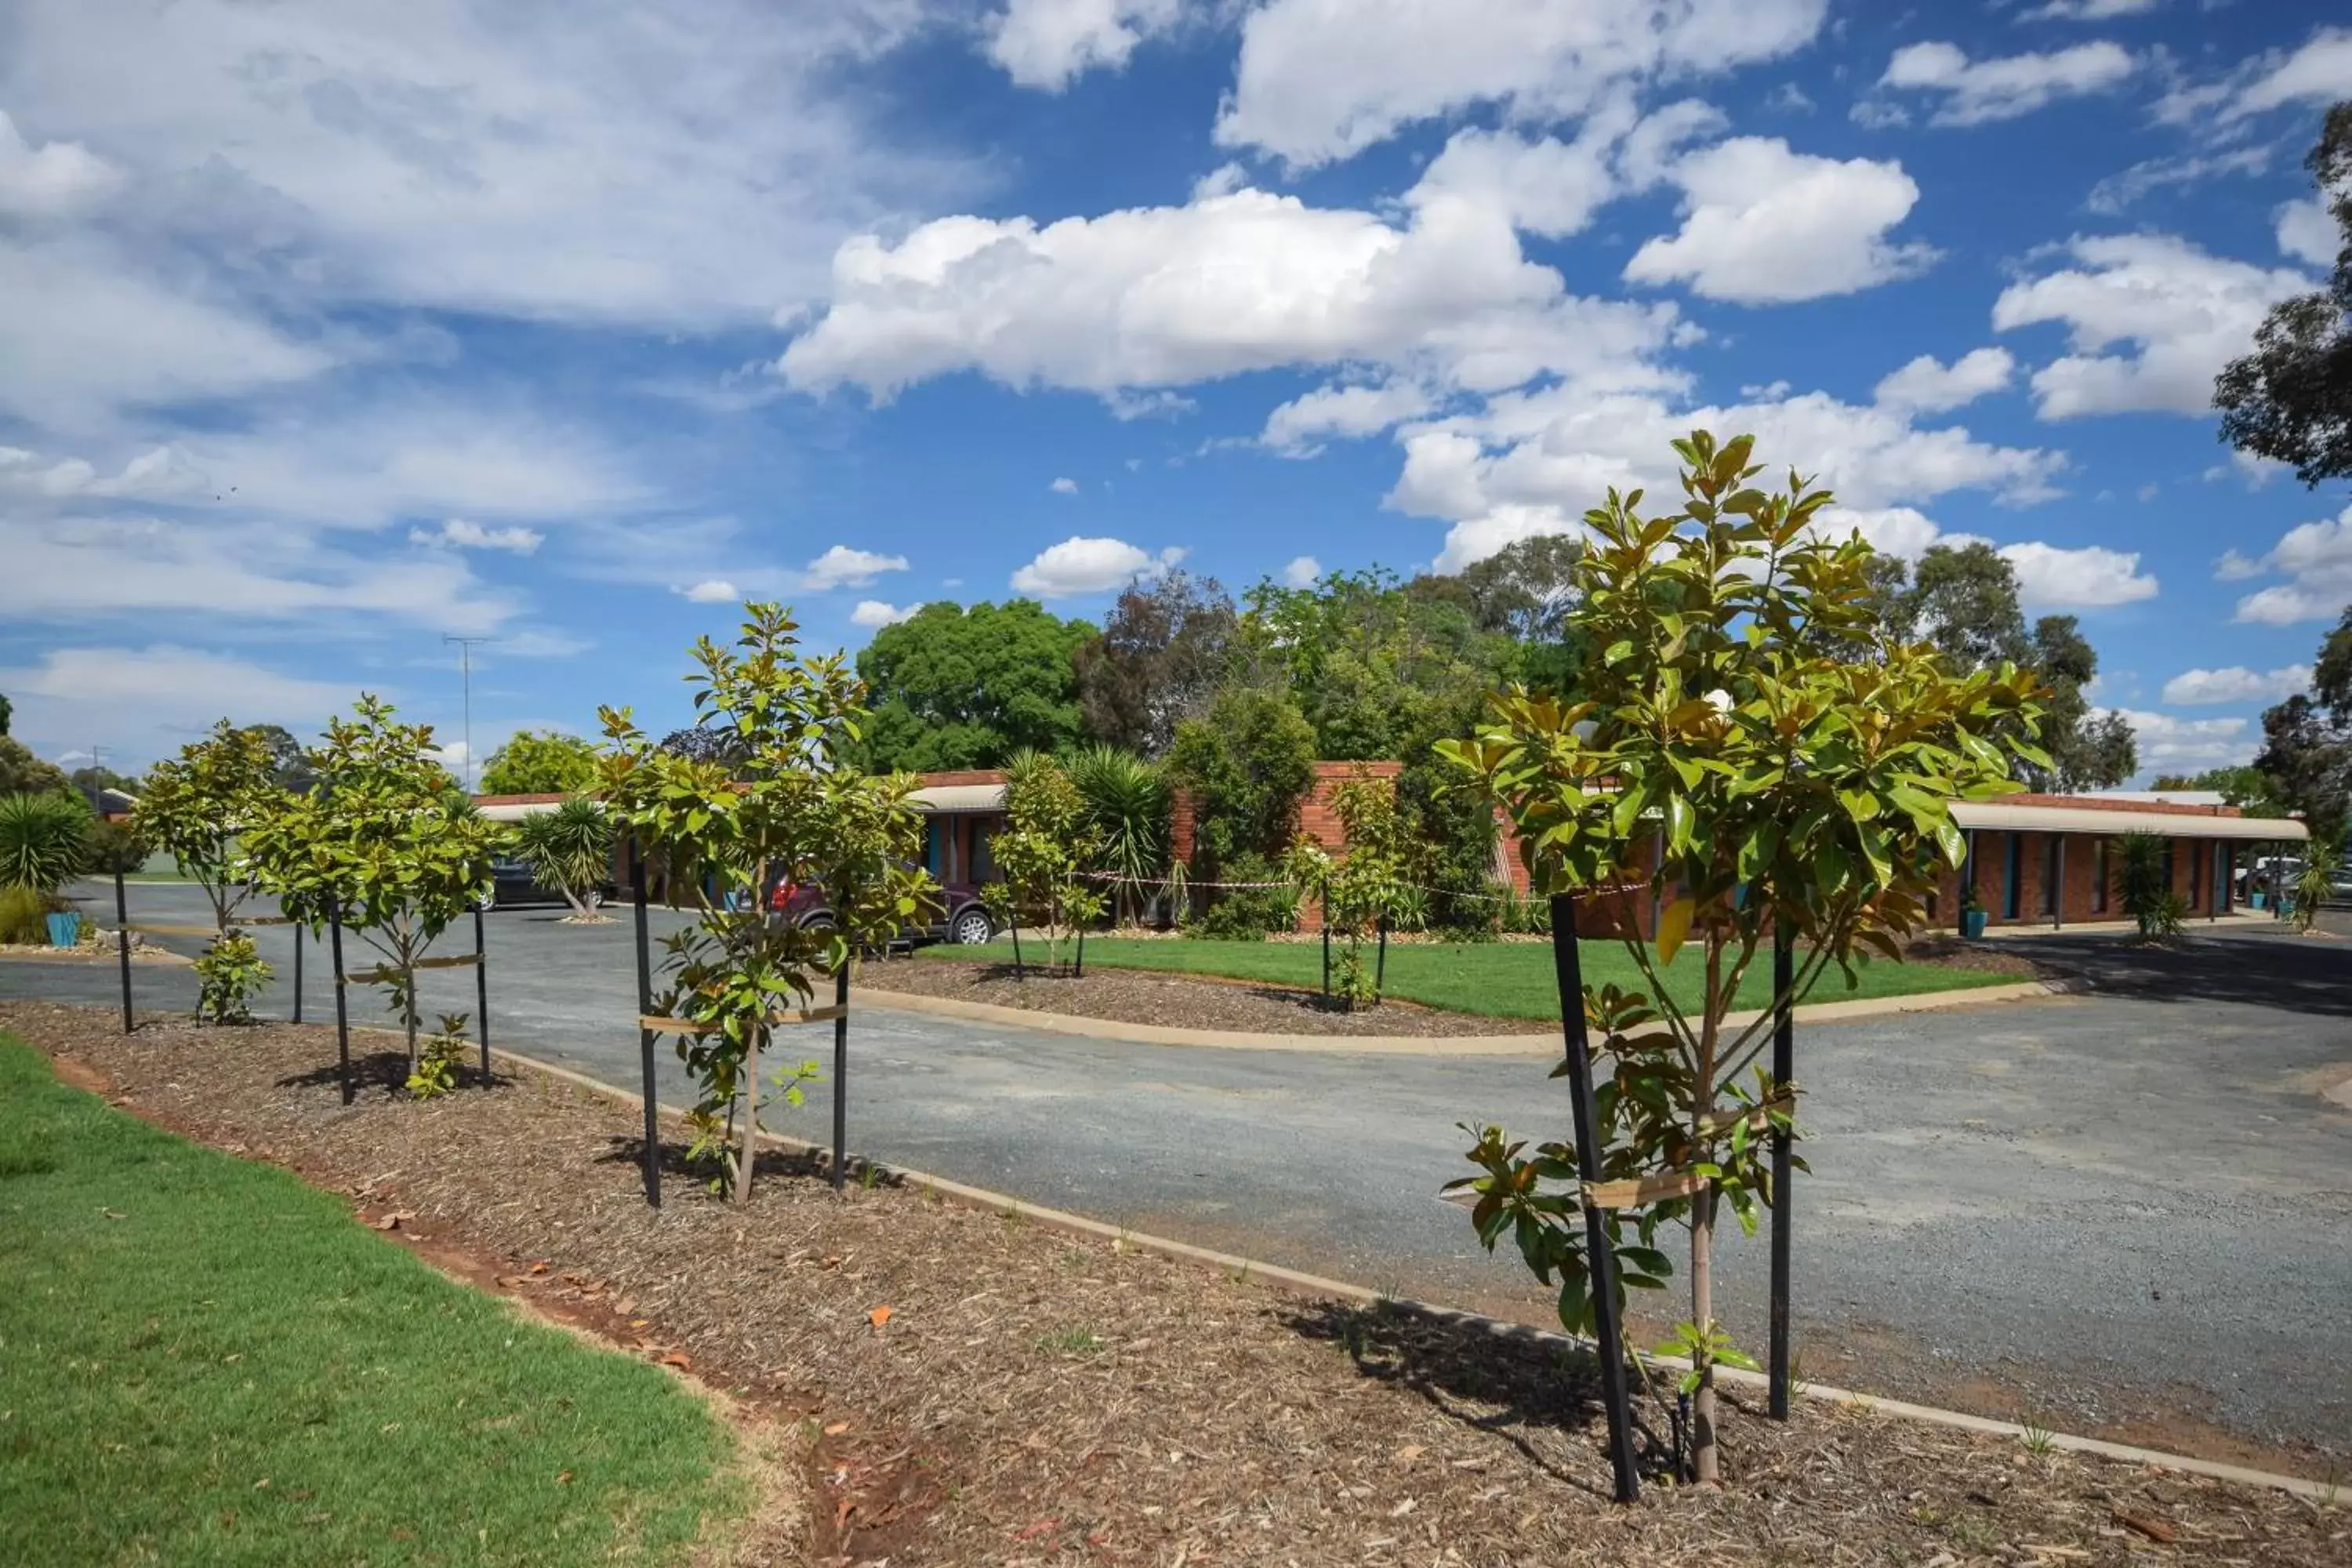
(1126, 803)
(569, 849)
(2322, 859)
(2144, 885)
(44, 841)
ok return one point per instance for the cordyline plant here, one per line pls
(1362, 887)
(569, 849)
(385, 838)
(778, 801)
(1044, 855)
(194, 807)
(1755, 749)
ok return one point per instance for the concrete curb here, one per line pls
(1528, 1045)
(1300, 1283)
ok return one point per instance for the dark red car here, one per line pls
(963, 917)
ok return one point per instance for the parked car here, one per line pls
(962, 919)
(512, 884)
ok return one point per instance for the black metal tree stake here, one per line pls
(841, 1073)
(646, 1035)
(298, 972)
(482, 993)
(1567, 968)
(342, 1017)
(122, 946)
(1784, 1069)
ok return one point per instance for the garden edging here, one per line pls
(1547, 1043)
(1313, 1285)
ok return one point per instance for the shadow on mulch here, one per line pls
(771, 1165)
(386, 1071)
(1510, 1386)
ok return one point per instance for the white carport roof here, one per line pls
(943, 798)
(2008, 817)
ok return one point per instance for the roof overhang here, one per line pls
(2008, 818)
(943, 799)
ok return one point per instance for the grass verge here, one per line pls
(204, 1360)
(1499, 980)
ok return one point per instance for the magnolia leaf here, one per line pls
(1673, 927)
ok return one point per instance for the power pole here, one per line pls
(472, 775)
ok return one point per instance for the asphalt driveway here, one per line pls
(2130, 1210)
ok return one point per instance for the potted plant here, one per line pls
(44, 844)
(1972, 915)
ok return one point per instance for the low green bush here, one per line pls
(1246, 914)
(229, 975)
(23, 915)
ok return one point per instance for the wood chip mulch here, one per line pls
(969, 1388)
(1157, 996)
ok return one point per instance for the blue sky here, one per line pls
(330, 331)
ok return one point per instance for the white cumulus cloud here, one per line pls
(1047, 44)
(712, 591)
(2087, 10)
(1320, 79)
(845, 567)
(1763, 224)
(2169, 744)
(876, 612)
(2314, 557)
(2150, 321)
(1295, 427)
(456, 533)
(1303, 572)
(52, 180)
(2194, 688)
(2306, 230)
(1080, 565)
(1064, 487)
(2091, 577)
(1930, 386)
(1974, 92)
(1246, 280)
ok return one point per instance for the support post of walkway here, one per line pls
(1784, 1070)
(646, 1035)
(1568, 970)
(2058, 893)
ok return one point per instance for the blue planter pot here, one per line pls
(65, 929)
(2257, 899)
(1972, 923)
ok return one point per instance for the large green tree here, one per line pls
(968, 687)
(536, 762)
(2291, 399)
(287, 759)
(2306, 751)
(1963, 602)
(22, 773)
(1164, 651)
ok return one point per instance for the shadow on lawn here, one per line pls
(1504, 1382)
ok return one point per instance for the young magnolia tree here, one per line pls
(385, 838)
(1045, 854)
(194, 807)
(780, 800)
(1362, 887)
(1755, 750)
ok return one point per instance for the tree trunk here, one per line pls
(1702, 1223)
(751, 1119)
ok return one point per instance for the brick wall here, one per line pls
(2195, 876)
(1318, 819)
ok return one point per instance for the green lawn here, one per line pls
(1501, 979)
(204, 1361)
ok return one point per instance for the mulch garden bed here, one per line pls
(1153, 997)
(971, 1388)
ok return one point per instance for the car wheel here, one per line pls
(972, 928)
